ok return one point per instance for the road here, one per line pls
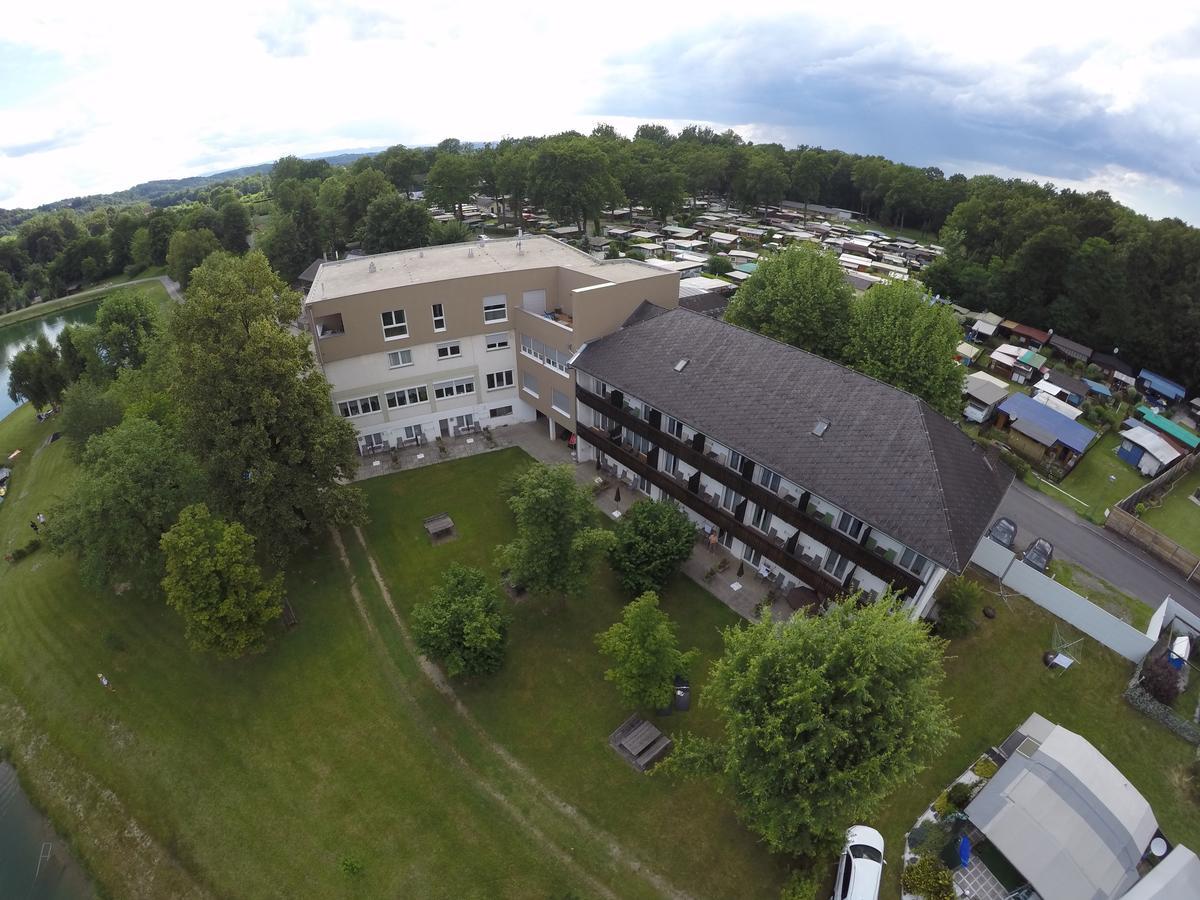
(1100, 552)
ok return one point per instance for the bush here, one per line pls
(959, 602)
(653, 538)
(1014, 462)
(1139, 510)
(463, 624)
(19, 553)
(930, 837)
(985, 768)
(350, 866)
(930, 879)
(942, 806)
(718, 265)
(1160, 680)
(801, 886)
(960, 795)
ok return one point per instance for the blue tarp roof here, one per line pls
(1066, 431)
(1099, 388)
(1164, 387)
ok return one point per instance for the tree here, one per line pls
(809, 172)
(765, 181)
(959, 602)
(161, 225)
(571, 178)
(449, 232)
(187, 250)
(394, 223)
(126, 322)
(557, 543)
(451, 181)
(512, 177)
(88, 409)
(645, 654)
(900, 337)
(718, 265)
(35, 374)
(135, 478)
(822, 717)
(463, 624)
(213, 581)
(141, 250)
(799, 297)
(652, 539)
(235, 226)
(255, 406)
(362, 189)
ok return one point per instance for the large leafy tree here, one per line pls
(900, 337)
(35, 374)
(652, 539)
(822, 717)
(645, 654)
(799, 297)
(187, 250)
(463, 624)
(572, 179)
(394, 223)
(126, 323)
(215, 583)
(557, 542)
(235, 226)
(88, 409)
(255, 406)
(135, 478)
(451, 181)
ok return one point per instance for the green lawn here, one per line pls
(1101, 479)
(996, 679)
(84, 297)
(255, 778)
(152, 272)
(1178, 517)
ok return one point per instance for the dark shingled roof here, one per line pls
(1110, 363)
(887, 457)
(709, 304)
(1067, 382)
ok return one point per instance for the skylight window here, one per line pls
(821, 427)
(681, 365)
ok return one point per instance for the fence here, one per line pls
(1122, 520)
(1072, 608)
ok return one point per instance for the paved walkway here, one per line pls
(741, 593)
(977, 882)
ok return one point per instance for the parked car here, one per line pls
(1004, 532)
(860, 869)
(1039, 553)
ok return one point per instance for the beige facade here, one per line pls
(437, 307)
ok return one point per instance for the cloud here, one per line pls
(65, 138)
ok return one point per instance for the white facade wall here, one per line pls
(372, 375)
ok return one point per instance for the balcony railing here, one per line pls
(793, 511)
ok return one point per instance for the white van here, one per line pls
(860, 869)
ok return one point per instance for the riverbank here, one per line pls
(62, 304)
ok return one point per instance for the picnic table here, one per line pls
(439, 526)
(640, 743)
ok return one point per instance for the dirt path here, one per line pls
(615, 850)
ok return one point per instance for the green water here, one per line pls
(14, 337)
(35, 863)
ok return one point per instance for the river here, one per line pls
(35, 863)
(14, 337)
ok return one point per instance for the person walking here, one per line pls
(41, 519)
(33, 525)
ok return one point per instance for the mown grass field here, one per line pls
(90, 295)
(1178, 517)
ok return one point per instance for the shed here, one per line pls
(983, 329)
(1095, 387)
(1171, 429)
(1070, 349)
(1069, 387)
(983, 392)
(723, 239)
(1112, 364)
(1027, 367)
(1027, 334)
(1147, 450)
(967, 353)
(1046, 426)
(1004, 358)
(1059, 406)
(1153, 383)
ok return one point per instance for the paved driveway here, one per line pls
(1099, 551)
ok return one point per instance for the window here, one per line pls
(495, 309)
(670, 464)
(560, 402)
(735, 460)
(913, 561)
(412, 432)
(730, 498)
(497, 380)
(394, 324)
(398, 359)
(544, 353)
(849, 525)
(750, 555)
(499, 412)
(762, 518)
(445, 389)
(835, 564)
(407, 396)
(371, 441)
(529, 383)
(768, 479)
(360, 407)
(439, 317)
(675, 427)
(449, 350)
(534, 302)
(497, 341)
(635, 440)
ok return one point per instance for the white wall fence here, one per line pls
(1077, 610)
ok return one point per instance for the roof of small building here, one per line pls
(1111, 363)
(1097, 388)
(886, 457)
(1028, 331)
(1166, 426)
(982, 327)
(1032, 359)
(1023, 409)
(1070, 347)
(1153, 442)
(1065, 816)
(970, 351)
(1164, 387)
(984, 388)
(1068, 383)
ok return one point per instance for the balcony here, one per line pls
(329, 326)
(793, 511)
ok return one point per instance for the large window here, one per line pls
(544, 353)
(730, 498)
(849, 525)
(495, 309)
(359, 407)
(561, 402)
(768, 479)
(762, 519)
(439, 317)
(398, 359)
(499, 412)
(370, 442)
(413, 431)
(497, 380)
(735, 460)
(394, 324)
(835, 564)
(529, 383)
(445, 389)
(913, 561)
(497, 341)
(407, 396)
(449, 350)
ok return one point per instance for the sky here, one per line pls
(98, 97)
